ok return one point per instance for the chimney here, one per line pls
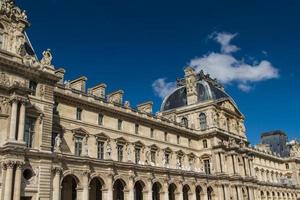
(61, 74)
(145, 107)
(79, 84)
(98, 90)
(116, 97)
(191, 85)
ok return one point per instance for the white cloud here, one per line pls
(163, 88)
(224, 40)
(225, 67)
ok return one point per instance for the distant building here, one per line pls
(277, 141)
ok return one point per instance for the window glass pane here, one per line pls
(29, 131)
(101, 150)
(120, 153)
(78, 146)
(137, 155)
(78, 114)
(203, 123)
(153, 156)
(100, 119)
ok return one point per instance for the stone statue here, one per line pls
(4, 105)
(127, 104)
(129, 153)
(177, 163)
(47, 58)
(85, 149)
(57, 146)
(108, 150)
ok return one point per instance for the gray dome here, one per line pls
(205, 90)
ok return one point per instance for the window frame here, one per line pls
(79, 114)
(203, 121)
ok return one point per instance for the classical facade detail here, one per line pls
(62, 141)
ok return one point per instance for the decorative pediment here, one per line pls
(121, 140)
(191, 155)
(205, 156)
(228, 106)
(80, 131)
(154, 147)
(168, 150)
(139, 144)
(101, 136)
(180, 153)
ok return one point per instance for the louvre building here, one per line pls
(60, 140)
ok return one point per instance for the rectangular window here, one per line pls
(166, 136)
(29, 131)
(207, 167)
(120, 153)
(151, 132)
(78, 113)
(100, 147)
(190, 142)
(179, 161)
(120, 124)
(178, 139)
(167, 157)
(136, 129)
(100, 119)
(137, 155)
(153, 155)
(78, 146)
(1, 37)
(32, 87)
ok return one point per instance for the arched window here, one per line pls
(209, 193)
(203, 122)
(185, 122)
(1, 36)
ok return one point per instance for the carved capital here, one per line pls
(10, 164)
(57, 170)
(86, 173)
(19, 164)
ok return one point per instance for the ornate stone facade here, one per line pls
(59, 142)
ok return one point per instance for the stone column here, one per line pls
(13, 121)
(131, 187)
(18, 179)
(224, 164)
(166, 190)
(179, 194)
(217, 162)
(251, 197)
(109, 185)
(56, 183)
(236, 163)
(21, 123)
(149, 189)
(4, 168)
(9, 180)
(85, 184)
(192, 192)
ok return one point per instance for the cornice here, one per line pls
(13, 64)
(122, 112)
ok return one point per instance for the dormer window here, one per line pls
(32, 87)
(1, 36)
(185, 122)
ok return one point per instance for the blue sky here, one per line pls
(131, 44)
